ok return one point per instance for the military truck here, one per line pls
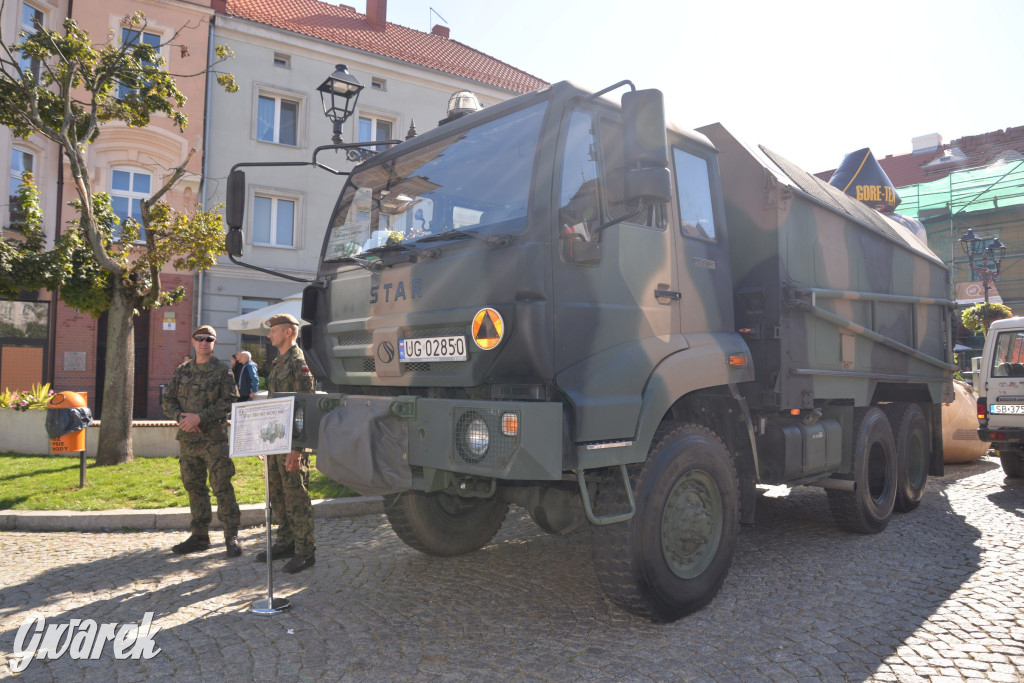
(563, 303)
(1000, 384)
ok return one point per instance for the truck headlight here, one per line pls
(478, 437)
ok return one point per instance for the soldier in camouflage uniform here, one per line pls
(199, 399)
(289, 472)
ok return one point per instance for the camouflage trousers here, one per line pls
(289, 501)
(196, 460)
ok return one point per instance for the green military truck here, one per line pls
(562, 303)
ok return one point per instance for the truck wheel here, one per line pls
(1013, 464)
(867, 509)
(671, 558)
(913, 451)
(441, 524)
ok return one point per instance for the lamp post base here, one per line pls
(269, 605)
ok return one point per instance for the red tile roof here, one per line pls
(971, 151)
(341, 24)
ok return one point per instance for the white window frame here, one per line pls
(122, 90)
(282, 60)
(275, 195)
(15, 177)
(374, 118)
(377, 83)
(34, 65)
(131, 194)
(276, 94)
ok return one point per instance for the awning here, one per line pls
(256, 321)
(970, 293)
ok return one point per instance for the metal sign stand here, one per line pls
(269, 605)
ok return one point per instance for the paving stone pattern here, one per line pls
(938, 596)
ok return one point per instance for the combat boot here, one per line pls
(278, 552)
(192, 544)
(299, 563)
(234, 548)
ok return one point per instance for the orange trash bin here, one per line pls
(72, 441)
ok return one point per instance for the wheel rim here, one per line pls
(691, 524)
(878, 477)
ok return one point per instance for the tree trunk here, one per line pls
(115, 444)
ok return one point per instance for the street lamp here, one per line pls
(339, 94)
(993, 253)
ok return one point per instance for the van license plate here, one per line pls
(1004, 409)
(431, 349)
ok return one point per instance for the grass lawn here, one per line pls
(50, 482)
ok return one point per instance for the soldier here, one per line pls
(289, 473)
(199, 399)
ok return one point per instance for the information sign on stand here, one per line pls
(263, 428)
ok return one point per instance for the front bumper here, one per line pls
(435, 432)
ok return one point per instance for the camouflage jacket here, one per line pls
(207, 389)
(289, 372)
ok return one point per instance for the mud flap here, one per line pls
(365, 448)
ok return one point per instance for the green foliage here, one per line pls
(77, 90)
(978, 317)
(36, 398)
(50, 482)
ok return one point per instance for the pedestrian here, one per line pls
(199, 399)
(248, 380)
(236, 367)
(288, 474)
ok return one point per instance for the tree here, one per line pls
(96, 264)
(979, 317)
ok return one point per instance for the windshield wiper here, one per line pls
(502, 240)
(370, 265)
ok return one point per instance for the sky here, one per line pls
(811, 80)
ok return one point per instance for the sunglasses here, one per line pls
(208, 340)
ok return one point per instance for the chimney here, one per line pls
(377, 14)
(442, 31)
(924, 144)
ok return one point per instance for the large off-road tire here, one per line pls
(913, 452)
(671, 558)
(442, 524)
(1013, 464)
(867, 509)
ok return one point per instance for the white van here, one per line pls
(1000, 385)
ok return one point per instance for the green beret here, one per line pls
(204, 329)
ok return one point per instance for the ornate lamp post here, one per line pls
(979, 258)
(339, 94)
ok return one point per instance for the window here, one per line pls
(21, 161)
(127, 190)
(31, 21)
(694, 188)
(273, 221)
(282, 60)
(130, 36)
(277, 120)
(378, 84)
(372, 128)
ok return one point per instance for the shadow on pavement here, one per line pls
(803, 599)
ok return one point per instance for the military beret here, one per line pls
(282, 319)
(204, 329)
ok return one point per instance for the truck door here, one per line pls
(611, 327)
(701, 253)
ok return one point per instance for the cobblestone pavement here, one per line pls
(939, 595)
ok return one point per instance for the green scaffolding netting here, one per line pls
(994, 186)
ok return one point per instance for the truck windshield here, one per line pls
(474, 180)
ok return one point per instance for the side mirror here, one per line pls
(646, 146)
(234, 212)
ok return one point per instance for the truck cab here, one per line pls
(1000, 385)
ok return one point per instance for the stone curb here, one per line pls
(168, 518)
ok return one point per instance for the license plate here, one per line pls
(431, 349)
(1004, 409)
